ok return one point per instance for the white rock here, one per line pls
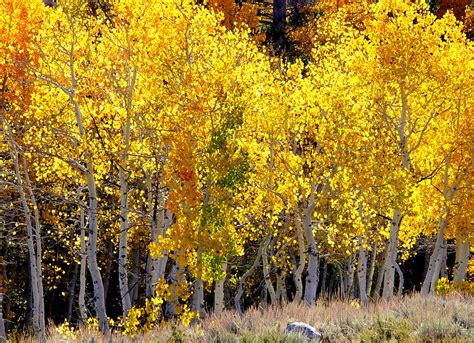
(304, 329)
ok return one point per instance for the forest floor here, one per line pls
(408, 319)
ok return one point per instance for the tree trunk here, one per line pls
(72, 292)
(107, 273)
(350, 276)
(462, 260)
(312, 278)
(39, 331)
(197, 304)
(242, 280)
(342, 283)
(198, 297)
(94, 270)
(7, 303)
(278, 29)
(362, 273)
(284, 290)
(124, 210)
(281, 288)
(97, 283)
(373, 259)
(3, 333)
(389, 275)
(36, 307)
(174, 277)
(437, 267)
(444, 261)
(391, 260)
(88, 171)
(152, 203)
(123, 245)
(29, 292)
(400, 279)
(219, 291)
(324, 278)
(82, 273)
(38, 244)
(434, 266)
(134, 286)
(381, 273)
(160, 222)
(331, 289)
(297, 275)
(157, 266)
(266, 273)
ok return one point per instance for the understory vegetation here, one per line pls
(407, 319)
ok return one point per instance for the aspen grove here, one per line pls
(163, 160)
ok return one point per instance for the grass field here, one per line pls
(408, 319)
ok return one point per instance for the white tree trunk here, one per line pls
(38, 244)
(123, 179)
(434, 266)
(123, 244)
(381, 272)
(312, 279)
(157, 266)
(36, 307)
(362, 273)
(434, 260)
(342, 282)
(197, 304)
(3, 333)
(160, 222)
(389, 268)
(438, 265)
(266, 273)
(98, 285)
(400, 279)
(444, 261)
(82, 272)
(391, 260)
(152, 213)
(350, 276)
(281, 288)
(298, 272)
(174, 277)
(88, 171)
(462, 260)
(219, 291)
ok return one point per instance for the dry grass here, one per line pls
(409, 319)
